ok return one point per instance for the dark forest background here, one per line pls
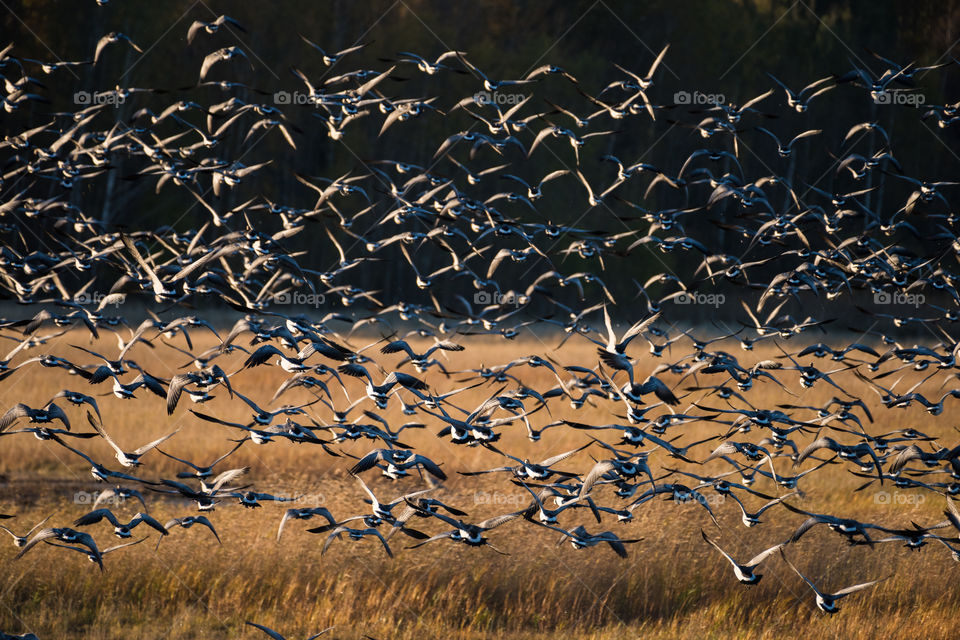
(716, 47)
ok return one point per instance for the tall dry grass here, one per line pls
(671, 585)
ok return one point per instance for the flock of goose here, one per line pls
(451, 223)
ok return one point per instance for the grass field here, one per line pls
(672, 585)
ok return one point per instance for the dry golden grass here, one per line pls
(672, 585)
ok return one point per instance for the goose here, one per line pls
(847, 527)
(24, 636)
(330, 59)
(721, 485)
(623, 466)
(489, 85)
(265, 418)
(356, 430)
(221, 55)
(203, 381)
(424, 508)
(678, 493)
(355, 534)
(916, 538)
(304, 514)
(161, 292)
(752, 519)
(469, 534)
(420, 361)
(288, 363)
(302, 380)
(847, 452)
(64, 534)
(97, 470)
(549, 516)
(612, 352)
(132, 458)
(752, 452)
(827, 602)
(276, 636)
(198, 471)
(37, 416)
(121, 530)
(90, 555)
(251, 499)
(580, 539)
(930, 459)
(799, 101)
(535, 192)
(21, 541)
(205, 496)
(745, 573)
(265, 435)
(188, 522)
(117, 495)
(212, 27)
(475, 428)
(639, 83)
(77, 399)
(126, 391)
(531, 470)
(380, 393)
(432, 68)
(111, 38)
(384, 510)
(618, 110)
(397, 462)
(791, 482)
(786, 150)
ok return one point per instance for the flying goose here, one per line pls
(117, 495)
(64, 534)
(198, 471)
(827, 602)
(581, 539)
(305, 514)
(91, 556)
(355, 534)
(525, 469)
(121, 530)
(469, 534)
(745, 573)
(380, 393)
(186, 523)
(212, 27)
(21, 541)
(397, 462)
(276, 636)
(111, 38)
(132, 458)
(221, 55)
(38, 416)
